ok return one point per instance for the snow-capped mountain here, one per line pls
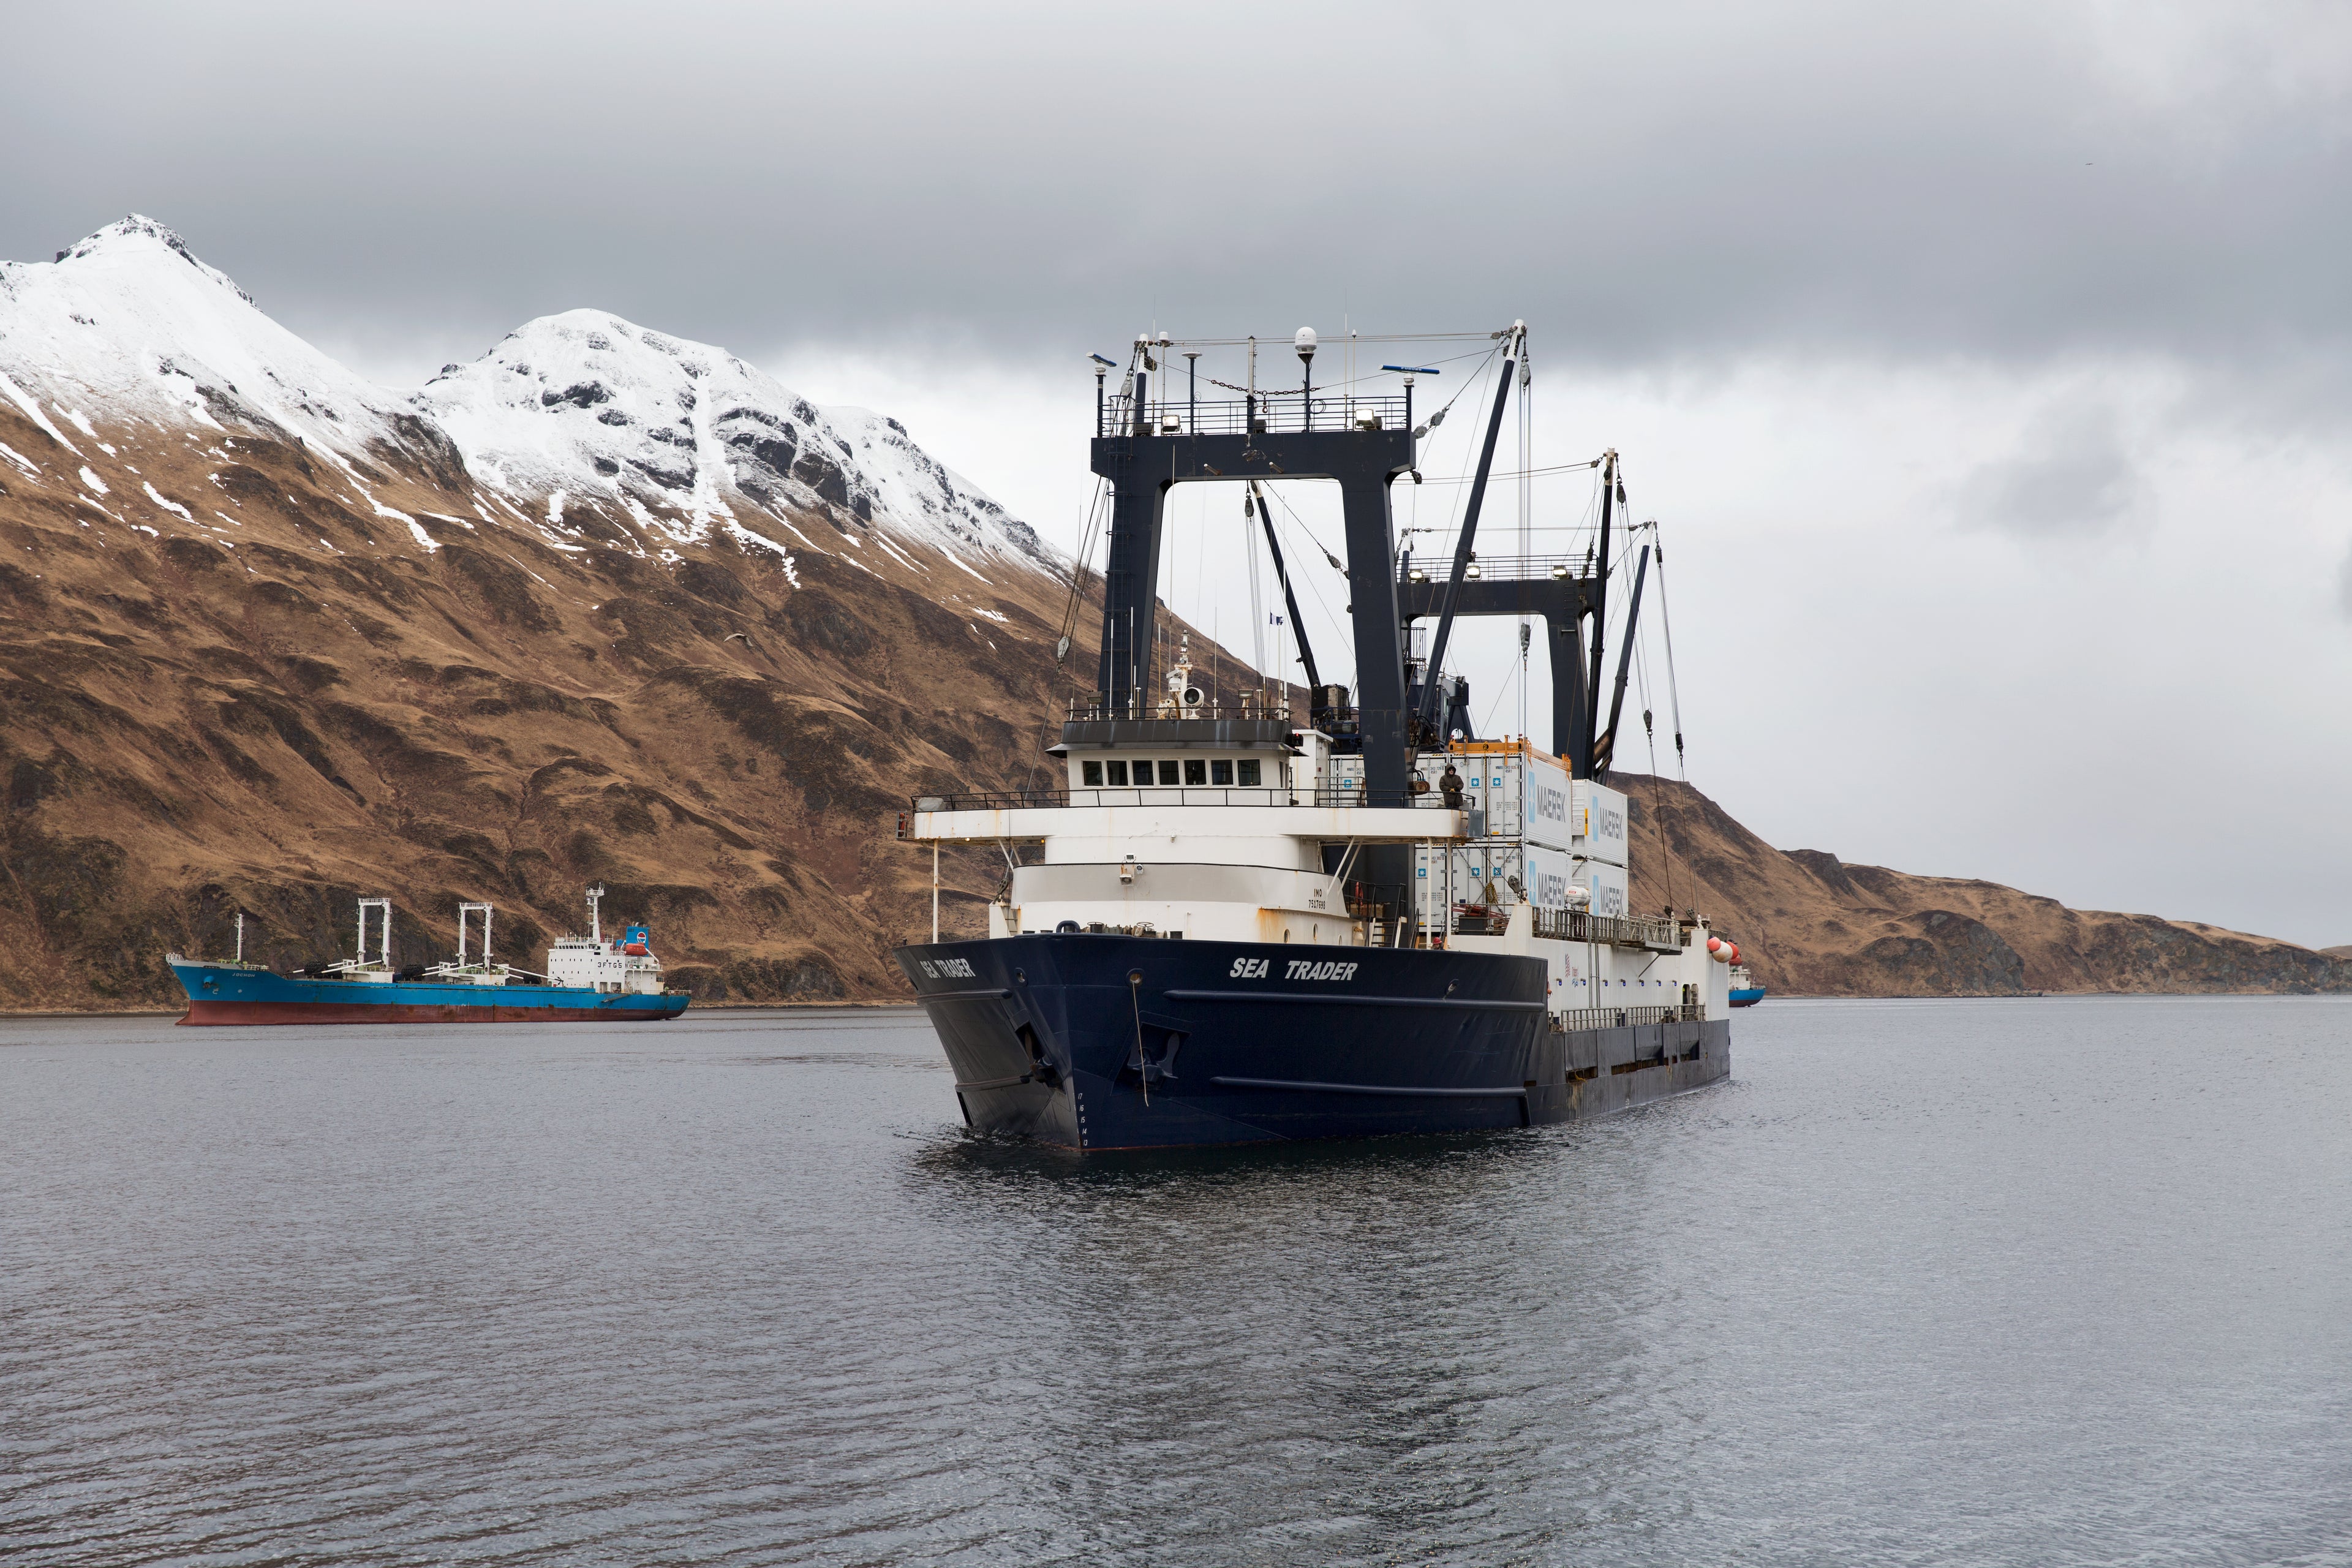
(679, 434)
(584, 426)
(129, 324)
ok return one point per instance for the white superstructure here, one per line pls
(1235, 826)
(623, 966)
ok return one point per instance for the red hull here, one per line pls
(209, 1012)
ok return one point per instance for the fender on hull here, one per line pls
(1097, 1042)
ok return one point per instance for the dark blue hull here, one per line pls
(1110, 1042)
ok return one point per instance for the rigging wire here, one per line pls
(1340, 632)
(1257, 604)
(1545, 471)
(1364, 337)
(1068, 636)
(1674, 687)
(1526, 517)
(1657, 783)
(1452, 528)
(1518, 676)
(1337, 564)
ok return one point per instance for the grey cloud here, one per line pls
(1640, 183)
(2343, 586)
(2070, 477)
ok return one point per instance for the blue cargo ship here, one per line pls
(589, 980)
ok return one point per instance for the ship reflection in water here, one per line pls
(735, 1288)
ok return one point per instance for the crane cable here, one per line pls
(1674, 690)
(1674, 708)
(1068, 636)
(1657, 784)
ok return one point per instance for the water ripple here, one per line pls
(2032, 1282)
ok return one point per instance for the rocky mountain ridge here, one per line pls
(1810, 924)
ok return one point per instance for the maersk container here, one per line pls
(1606, 883)
(1543, 876)
(1597, 814)
(1514, 783)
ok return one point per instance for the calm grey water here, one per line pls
(1983, 1282)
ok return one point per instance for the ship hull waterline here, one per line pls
(1100, 1042)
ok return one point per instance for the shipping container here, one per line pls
(1516, 787)
(1597, 814)
(1606, 883)
(1485, 874)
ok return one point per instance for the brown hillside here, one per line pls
(311, 709)
(1809, 925)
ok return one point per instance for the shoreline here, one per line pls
(703, 1009)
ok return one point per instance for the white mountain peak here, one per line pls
(130, 323)
(593, 405)
(580, 408)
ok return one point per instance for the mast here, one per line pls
(1605, 753)
(1462, 550)
(1289, 594)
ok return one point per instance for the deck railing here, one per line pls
(1176, 794)
(1271, 412)
(1627, 931)
(1246, 704)
(1576, 1018)
(1437, 568)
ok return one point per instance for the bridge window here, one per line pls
(1196, 772)
(1143, 771)
(1249, 772)
(1118, 772)
(1167, 771)
(1221, 771)
(1092, 771)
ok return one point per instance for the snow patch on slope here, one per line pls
(167, 504)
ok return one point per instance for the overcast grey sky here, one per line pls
(1989, 362)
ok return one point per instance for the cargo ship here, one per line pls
(1745, 992)
(589, 979)
(1225, 924)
